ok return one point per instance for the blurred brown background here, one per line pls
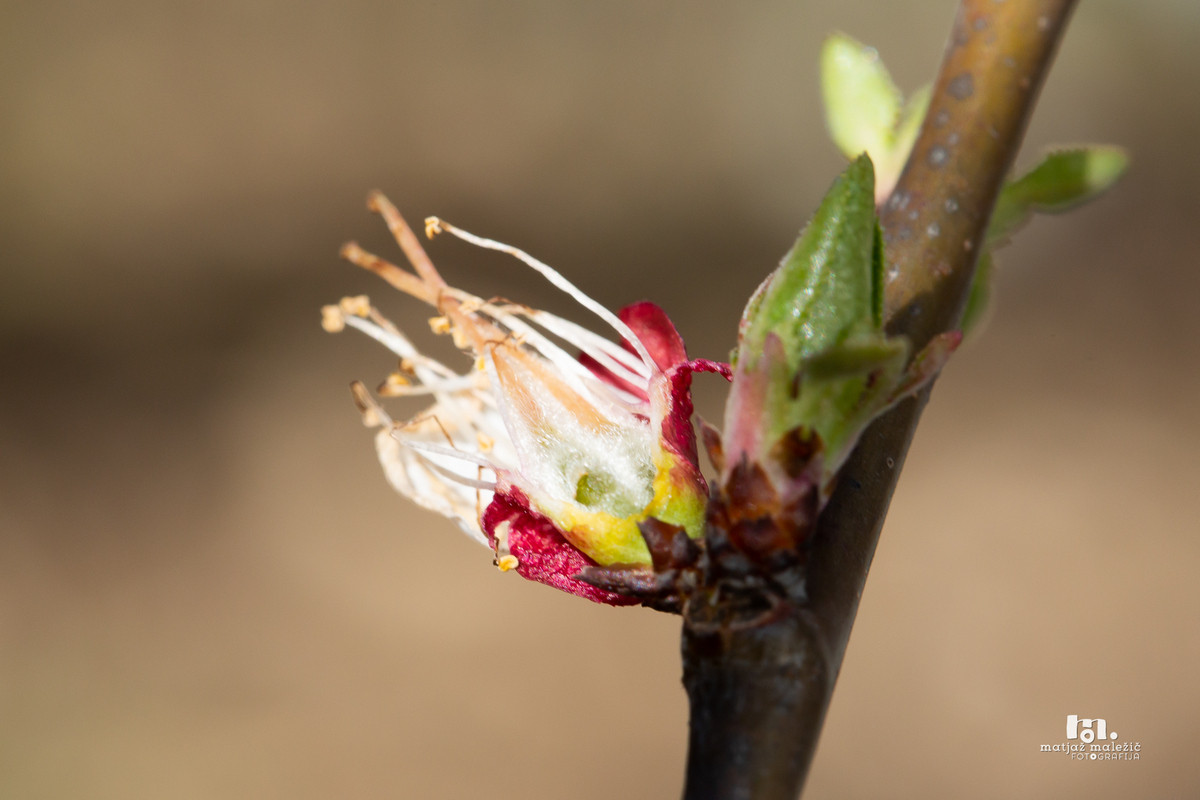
(208, 591)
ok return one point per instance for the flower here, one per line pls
(551, 460)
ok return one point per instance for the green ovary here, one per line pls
(609, 539)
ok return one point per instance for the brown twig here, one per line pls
(758, 692)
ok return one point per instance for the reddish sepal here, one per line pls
(542, 554)
(656, 332)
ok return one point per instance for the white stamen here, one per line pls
(619, 449)
(487, 486)
(400, 345)
(443, 450)
(397, 344)
(598, 392)
(565, 363)
(628, 359)
(622, 399)
(599, 348)
(433, 224)
(633, 368)
(430, 372)
(459, 384)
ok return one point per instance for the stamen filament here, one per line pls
(448, 396)
(443, 450)
(576, 331)
(433, 225)
(372, 413)
(405, 237)
(404, 281)
(393, 340)
(487, 486)
(459, 384)
(603, 351)
(546, 348)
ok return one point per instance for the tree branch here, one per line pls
(758, 691)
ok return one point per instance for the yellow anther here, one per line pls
(433, 226)
(485, 442)
(439, 324)
(359, 305)
(470, 305)
(332, 319)
(505, 563)
(393, 386)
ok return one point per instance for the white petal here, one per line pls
(414, 478)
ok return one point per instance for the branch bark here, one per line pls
(759, 692)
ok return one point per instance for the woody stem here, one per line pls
(758, 694)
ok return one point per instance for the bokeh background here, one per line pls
(208, 591)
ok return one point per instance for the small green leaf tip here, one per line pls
(829, 284)
(862, 105)
(1064, 179)
(863, 108)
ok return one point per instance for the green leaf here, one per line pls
(862, 109)
(1063, 180)
(862, 104)
(829, 285)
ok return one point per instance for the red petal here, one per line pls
(543, 555)
(657, 332)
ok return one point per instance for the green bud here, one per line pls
(812, 353)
